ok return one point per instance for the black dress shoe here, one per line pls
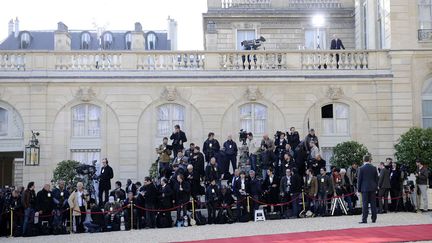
(373, 221)
(362, 222)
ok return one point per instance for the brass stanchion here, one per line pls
(11, 222)
(248, 204)
(71, 220)
(193, 209)
(131, 215)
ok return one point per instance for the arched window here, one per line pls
(151, 41)
(335, 119)
(169, 115)
(427, 113)
(25, 40)
(85, 41)
(253, 118)
(86, 120)
(107, 39)
(128, 40)
(3, 122)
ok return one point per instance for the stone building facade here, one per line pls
(122, 107)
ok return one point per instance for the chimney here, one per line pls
(172, 33)
(16, 27)
(138, 39)
(62, 38)
(10, 27)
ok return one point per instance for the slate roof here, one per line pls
(44, 40)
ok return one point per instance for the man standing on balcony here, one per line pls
(336, 44)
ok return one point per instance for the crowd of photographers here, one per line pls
(285, 174)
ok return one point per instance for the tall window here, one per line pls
(243, 35)
(427, 113)
(128, 40)
(3, 122)
(170, 115)
(335, 119)
(107, 41)
(86, 120)
(315, 39)
(85, 41)
(425, 14)
(253, 118)
(364, 25)
(25, 40)
(151, 41)
(86, 156)
(381, 23)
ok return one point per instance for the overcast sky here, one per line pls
(115, 15)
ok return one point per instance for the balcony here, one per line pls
(182, 61)
(279, 4)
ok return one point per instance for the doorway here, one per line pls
(7, 168)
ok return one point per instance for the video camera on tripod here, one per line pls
(252, 44)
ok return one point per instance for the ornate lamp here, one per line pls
(32, 151)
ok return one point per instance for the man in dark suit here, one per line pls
(336, 44)
(178, 137)
(105, 177)
(383, 188)
(367, 185)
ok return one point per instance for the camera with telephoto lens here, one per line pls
(252, 44)
(243, 136)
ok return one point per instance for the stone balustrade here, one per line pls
(102, 61)
(12, 61)
(279, 4)
(245, 3)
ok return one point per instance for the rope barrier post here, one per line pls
(11, 223)
(248, 204)
(71, 221)
(193, 209)
(131, 215)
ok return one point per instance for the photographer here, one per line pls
(45, 203)
(60, 196)
(29, 203)
(267, 158)
(164, 152)
(280, 143)
(311, 137)
(105, 177)
(118, 193)
(269, 142)
(293, 138)
(212, 198)
(253, 147)
(113, 216)
(197, 161)
(13, 202)
(211, 147)
(421, 181)
(178, 137)
(78, 202)
(230, 148)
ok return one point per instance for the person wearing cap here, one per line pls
(422, 174)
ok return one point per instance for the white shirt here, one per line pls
(80, 198)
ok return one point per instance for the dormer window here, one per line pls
(128, 40)
(24, 40)
(151, 41)
(107, 41)
(85, 41)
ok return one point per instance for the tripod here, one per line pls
(338, 201)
